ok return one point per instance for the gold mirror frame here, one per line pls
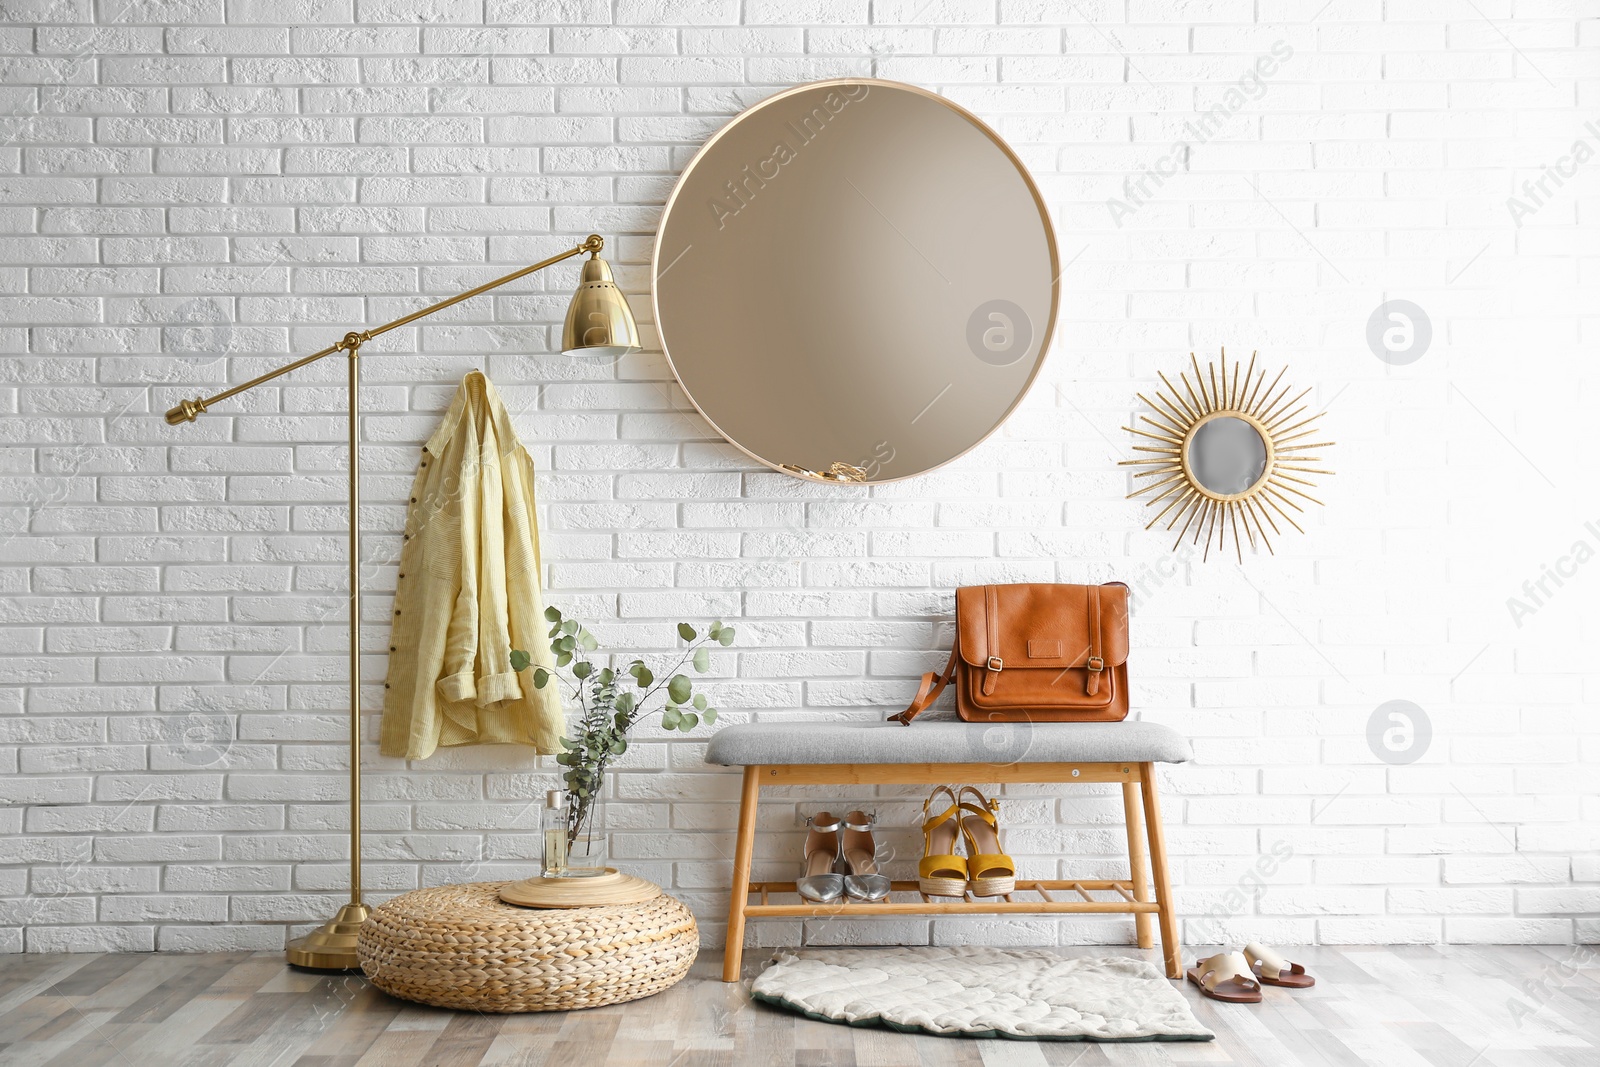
(1179, 417)
(1002, 253)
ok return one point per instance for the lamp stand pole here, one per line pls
(332, 946)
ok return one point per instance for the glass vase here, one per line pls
(575, 839)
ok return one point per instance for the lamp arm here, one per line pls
(189, 410)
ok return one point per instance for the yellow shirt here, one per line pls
(469, 593)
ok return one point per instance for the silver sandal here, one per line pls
(819, 879)
(859, 851)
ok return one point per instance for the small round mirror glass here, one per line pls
(1227, 455)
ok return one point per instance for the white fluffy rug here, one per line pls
(1027, 994)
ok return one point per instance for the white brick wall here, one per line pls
(183, 177)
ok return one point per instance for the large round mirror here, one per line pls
(855, 279)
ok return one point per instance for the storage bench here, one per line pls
(933, 753)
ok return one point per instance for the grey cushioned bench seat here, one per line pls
(777, 743)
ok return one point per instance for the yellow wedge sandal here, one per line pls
(941, 873)
(991, 873)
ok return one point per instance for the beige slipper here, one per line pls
(1226, 976)
(1273, 969)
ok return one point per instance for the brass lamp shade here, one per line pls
(599, 322)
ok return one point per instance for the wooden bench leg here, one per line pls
(1138, 869)
(743, 852)
(1170, 947)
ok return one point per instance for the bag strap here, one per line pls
(991, 620)
(1097, 663)
(932, 685)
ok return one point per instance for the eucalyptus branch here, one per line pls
(608, 708)
(676, 667)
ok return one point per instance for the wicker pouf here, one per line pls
(458, 946)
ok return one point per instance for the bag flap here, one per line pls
(1040, 624)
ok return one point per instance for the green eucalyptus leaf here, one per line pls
(601, 736)
(679, 688)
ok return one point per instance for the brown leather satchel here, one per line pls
(1035, 653)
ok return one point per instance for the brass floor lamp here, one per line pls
(598, 323)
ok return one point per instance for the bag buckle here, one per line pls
(995, 663)
(1096, 663)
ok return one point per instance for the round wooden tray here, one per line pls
(597, 890)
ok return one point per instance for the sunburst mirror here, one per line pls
(1230, 454)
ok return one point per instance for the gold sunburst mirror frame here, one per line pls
(1229, 453)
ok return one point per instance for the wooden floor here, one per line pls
(1405, 1007)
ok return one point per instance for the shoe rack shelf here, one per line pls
(1075, 899)
(1146, 895)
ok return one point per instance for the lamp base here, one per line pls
(332, 946)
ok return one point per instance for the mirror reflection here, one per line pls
(1227, 455)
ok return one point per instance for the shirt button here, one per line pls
(413, 500)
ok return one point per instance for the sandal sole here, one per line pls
(1306, 981)
(1194, 976)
